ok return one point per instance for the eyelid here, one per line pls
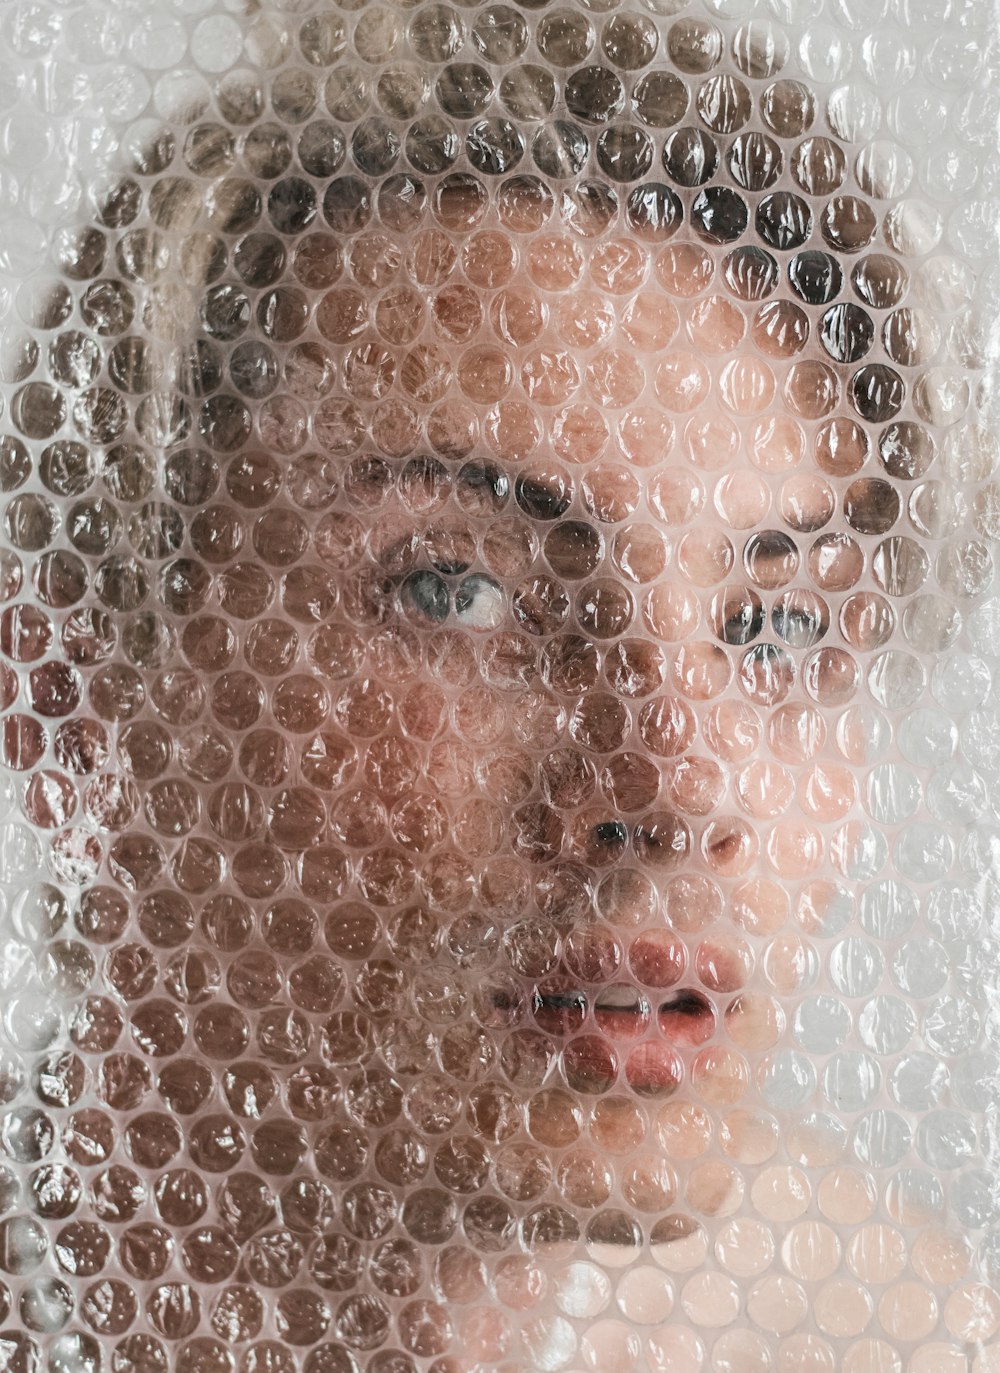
(538, 491)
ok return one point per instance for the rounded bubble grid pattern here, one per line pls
(497, 663)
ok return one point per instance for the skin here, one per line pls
(573, 293)
(622, 1000)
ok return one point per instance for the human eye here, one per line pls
(498, 510)
(483, 488)
(479, 602)
(426, 596)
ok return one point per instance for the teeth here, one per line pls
(561, 1001)
(621, 999)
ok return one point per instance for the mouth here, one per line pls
(613, 1031)
(560, 1008)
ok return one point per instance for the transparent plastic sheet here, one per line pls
(497, 657)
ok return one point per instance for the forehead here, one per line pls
(608, 234)
(599, 236)
(526, 154)
(620, 155)
(444, 103)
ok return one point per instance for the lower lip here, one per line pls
(687, 1018)
(593, 1062)
(592, 1065)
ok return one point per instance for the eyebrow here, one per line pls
(537, 495)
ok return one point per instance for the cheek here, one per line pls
(723, 965)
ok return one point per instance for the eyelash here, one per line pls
(478, 600)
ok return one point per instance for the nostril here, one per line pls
(610, 834)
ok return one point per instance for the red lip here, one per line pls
(686, 1016)
(560, 1007)
(591, 1064)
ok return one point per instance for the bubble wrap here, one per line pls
(498, 650)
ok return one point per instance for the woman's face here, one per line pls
(521, 637)
(467, 742)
